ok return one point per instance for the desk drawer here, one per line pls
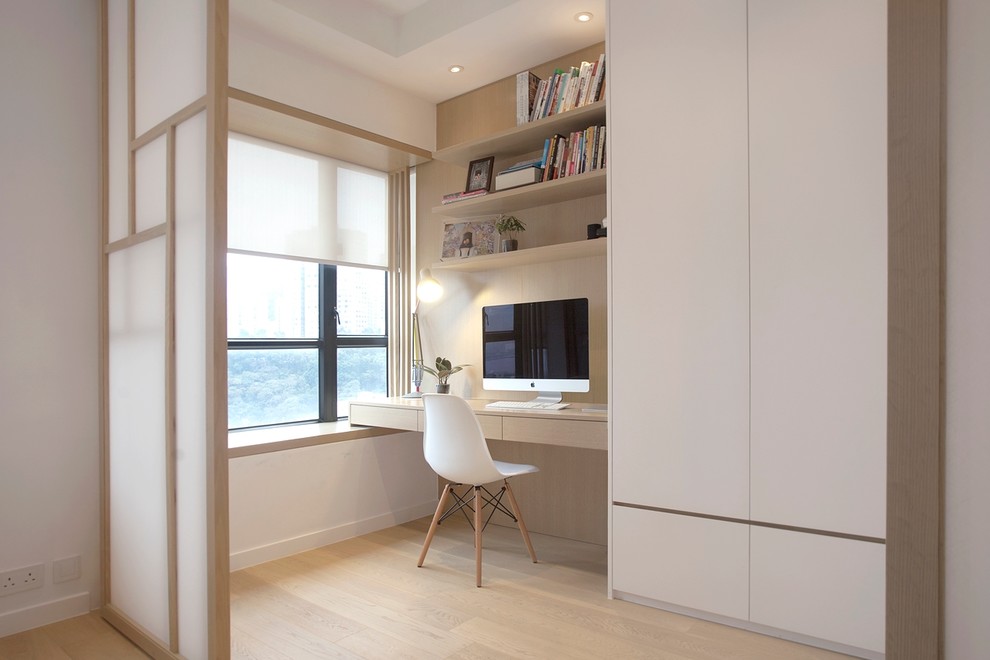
(553, 431)
(491, 426)
(389, 418)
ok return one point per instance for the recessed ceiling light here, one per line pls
(455, 68)
(583, 17)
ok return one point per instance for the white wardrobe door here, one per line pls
(822, 586)
(679, 255)
(687, 561)
(817, 72)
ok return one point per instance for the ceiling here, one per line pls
(410, 44)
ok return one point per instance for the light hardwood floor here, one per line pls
(86, 637)
(365, 598)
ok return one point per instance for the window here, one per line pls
(304, 339)
(307, 284)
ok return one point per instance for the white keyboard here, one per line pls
(525, 405)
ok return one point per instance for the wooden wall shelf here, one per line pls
(536, 255)
(525, 197)
(524, 139)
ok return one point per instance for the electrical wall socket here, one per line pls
(66, 569)
(22, 579)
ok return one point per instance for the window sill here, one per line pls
(283, 438)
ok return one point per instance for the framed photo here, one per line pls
(479, 175)
(462, 240)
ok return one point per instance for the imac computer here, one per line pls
(539, 347)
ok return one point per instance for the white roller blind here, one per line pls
(289, 202)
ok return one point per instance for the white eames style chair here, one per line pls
(454, 446)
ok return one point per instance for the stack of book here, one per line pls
(520, 174)
(450, 198)
(577, 153)
(563, 91)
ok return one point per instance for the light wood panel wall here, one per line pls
(452, 326)
(578, 478)
(916, 341)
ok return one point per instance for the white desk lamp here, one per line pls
(428, 290)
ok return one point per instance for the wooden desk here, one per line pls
(569, 497)
(568, 427)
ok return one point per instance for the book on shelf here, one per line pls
(600, 150)
(581, 88)
(596, 84)
(580, 77)
(550, 91)
(450, 198)
(527, 84)
(551, 149)
(546, 153)
(566, 80)
(567, 89)
(518, 177)
(576, 153)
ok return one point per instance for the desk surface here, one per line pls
(573, 411)
(567, 427)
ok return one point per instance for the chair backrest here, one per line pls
(453, 442)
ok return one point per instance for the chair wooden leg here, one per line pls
(522, 525)
(477, 533)
(436, 521)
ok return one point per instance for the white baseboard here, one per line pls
(43, 614)
(807, 640)
(287, 547)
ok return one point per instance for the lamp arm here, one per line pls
(417, 347)
(417, 351)
(430, 290)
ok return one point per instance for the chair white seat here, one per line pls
(514, 469)
(454, 445)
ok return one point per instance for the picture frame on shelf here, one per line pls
(463, 240)
(480, 174)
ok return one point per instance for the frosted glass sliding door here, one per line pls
(138, 510)
(163, 545)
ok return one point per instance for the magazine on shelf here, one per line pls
(450, 198)
(523, 164)
(569, 88)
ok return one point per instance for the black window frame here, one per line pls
(327, 344)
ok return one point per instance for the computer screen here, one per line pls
(539, 347)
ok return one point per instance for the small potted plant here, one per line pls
(444, 370)
(509, 224)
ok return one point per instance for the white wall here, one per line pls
(331, 90)
(967, 571)
(49, 319)
(290, 501)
